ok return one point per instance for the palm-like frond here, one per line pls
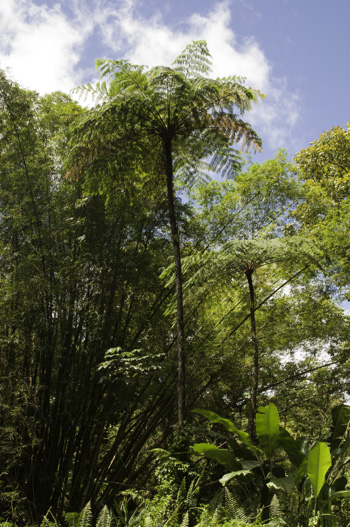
(142, 108)
(194, 60)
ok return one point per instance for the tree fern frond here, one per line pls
(194, 60)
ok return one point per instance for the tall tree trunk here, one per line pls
(178, 280)
(253, 398)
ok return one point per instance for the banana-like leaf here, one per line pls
(318, 463)
(230, 475)
(340, 484)
(224, 457)
(243, 436)
(267, 428)
(339, 495)
(285, 483)
(249, 464)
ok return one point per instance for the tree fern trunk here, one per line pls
(178, 281)
(253, 398)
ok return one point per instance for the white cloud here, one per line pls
(43, 47)
(40, 45)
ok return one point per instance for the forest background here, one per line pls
(135, 288)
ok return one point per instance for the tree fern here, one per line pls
(163, 122)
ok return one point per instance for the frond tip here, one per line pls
(194, 60)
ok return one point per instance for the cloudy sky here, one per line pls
(294, 51)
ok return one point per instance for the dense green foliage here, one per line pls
(108, 217)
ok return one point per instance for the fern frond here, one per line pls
(142, 110)
(233, 508)
(85, 518)
(181, 494)
(275, 508)
(217, 500)
(194, 60)
(193, 491)
(185, 520)
(104, 518)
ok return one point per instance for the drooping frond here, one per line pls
(202, 272)
(143, 109)
(241, 255)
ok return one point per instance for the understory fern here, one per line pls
(234, 510)
(84, 519)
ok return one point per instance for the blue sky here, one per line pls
(295, 51)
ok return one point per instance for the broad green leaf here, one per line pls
(230, 475)
(243, 436)
(318, 463)
(267, 428)
(249, 464)
(224, 457)
(285, 483)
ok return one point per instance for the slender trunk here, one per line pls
(178, 282)
(253, 398)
